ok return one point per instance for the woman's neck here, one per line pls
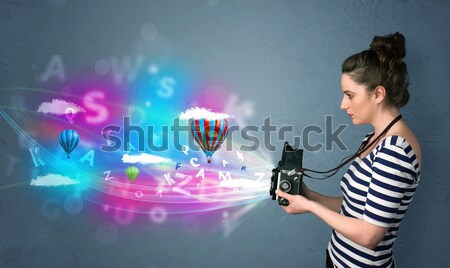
(383, 119)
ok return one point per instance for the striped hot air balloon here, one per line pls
(68, 139)
(209, 134)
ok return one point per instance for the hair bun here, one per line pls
(382, 65)
(389, 47)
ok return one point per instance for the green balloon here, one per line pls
(132, 172)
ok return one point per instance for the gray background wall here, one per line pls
(285, 57)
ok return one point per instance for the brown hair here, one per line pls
(382, 65)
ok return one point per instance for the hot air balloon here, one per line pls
(209, 134)
(132, 172)
(68, 139)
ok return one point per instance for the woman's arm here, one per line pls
(359, 231)
(333, 203)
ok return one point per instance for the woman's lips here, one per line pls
(351, 116)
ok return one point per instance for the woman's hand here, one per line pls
(297, 204)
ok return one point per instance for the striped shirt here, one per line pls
(378, 189)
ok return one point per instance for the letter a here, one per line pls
(88, 157)
(54, 68)
(201, 173)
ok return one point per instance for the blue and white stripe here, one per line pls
(378, 189)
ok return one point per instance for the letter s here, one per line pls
(89, 102)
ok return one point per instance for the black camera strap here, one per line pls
(364, 146)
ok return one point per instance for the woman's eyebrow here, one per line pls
(347, 91)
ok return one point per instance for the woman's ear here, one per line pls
(380, 94)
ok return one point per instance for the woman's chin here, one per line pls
(355, 121)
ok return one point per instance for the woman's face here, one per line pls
(358, 104)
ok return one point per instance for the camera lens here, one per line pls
(285, 186)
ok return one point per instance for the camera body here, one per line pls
(282, 178)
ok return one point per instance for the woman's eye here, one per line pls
(349, 97)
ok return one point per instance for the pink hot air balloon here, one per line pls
(209, 134)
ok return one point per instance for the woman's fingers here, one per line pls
(283, 194)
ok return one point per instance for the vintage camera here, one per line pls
(284, 176)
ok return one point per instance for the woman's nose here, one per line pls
(344, 104)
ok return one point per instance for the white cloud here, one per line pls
(53, 180)
(199, 113)
(144, 159)
(59, 107)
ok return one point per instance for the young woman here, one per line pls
(381, 181)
